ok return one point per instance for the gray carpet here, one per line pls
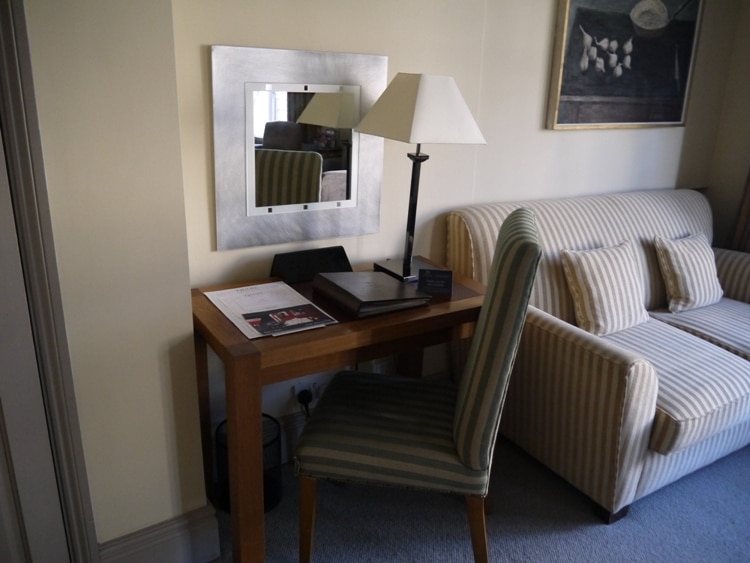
(704, 517)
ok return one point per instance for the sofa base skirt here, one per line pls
(660, 470)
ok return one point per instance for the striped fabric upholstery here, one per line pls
(586, 406)
(381, 429)
(725, 324)
(703, 389)
(484, 382)
(582, 406)
(658, 470)
(421, 433)
(287, 177)
(688, 267)
(733, 269)
(606, 288)
(580, 224)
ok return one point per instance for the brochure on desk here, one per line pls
(269, 309)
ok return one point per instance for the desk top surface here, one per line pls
(228, 342)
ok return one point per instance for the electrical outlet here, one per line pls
(298, 388)
(315, 384)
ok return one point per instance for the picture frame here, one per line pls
(622, 63)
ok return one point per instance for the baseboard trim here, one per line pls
(190, 537)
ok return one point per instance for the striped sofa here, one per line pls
(620, 414)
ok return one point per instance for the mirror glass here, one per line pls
(301, 147)
(324, 184)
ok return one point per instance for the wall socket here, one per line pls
(299, 388)
(315, 388)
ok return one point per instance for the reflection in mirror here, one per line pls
(301, 147)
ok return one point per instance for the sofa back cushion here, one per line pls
(581, 223)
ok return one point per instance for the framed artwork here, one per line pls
(622, 63)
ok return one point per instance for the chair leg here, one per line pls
(307, 495)
(478, 528)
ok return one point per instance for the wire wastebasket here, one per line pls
(272, 488)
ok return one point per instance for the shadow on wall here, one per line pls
(187, 465)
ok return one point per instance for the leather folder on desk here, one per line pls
(364, 294)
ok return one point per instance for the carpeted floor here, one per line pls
(704, 517)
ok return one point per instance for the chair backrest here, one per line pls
(484, 381)
(287, 177)
(283, 135)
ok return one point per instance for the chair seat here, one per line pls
(387, 430)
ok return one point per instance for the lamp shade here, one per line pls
(330, 109)
(422, 108)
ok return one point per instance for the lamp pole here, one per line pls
(417, 158)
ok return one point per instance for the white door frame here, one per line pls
(25, 172)
(32, 520)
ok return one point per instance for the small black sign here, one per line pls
(435, 282)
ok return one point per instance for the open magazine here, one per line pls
(268, 309)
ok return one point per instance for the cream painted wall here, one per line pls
(500, 53)
(415, 36)
(123, 90)
(105, 87)
(523, 160)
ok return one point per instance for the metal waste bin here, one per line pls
(272, 490)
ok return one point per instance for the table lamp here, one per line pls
(419, 108)
(335, 110)
(330, 109)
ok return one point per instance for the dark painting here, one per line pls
(612, 72)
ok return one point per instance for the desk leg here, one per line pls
(245, 440)
(204, 407)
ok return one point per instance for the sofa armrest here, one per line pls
(460, 256)
(471, 236)
(733, 268)
(582, 406)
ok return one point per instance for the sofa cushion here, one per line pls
(607, 289)
(688, 267)
(725, 324)
(703, 389)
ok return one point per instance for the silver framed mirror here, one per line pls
(288, 165)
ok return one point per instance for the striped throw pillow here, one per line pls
(688, 267)
(607, 288)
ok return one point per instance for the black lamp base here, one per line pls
(395, 268)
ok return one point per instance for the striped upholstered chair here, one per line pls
(427, 434)
(287, 177)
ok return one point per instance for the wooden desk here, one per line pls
(250, 364)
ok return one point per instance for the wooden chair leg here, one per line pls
(307, 495)
(478, 528)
